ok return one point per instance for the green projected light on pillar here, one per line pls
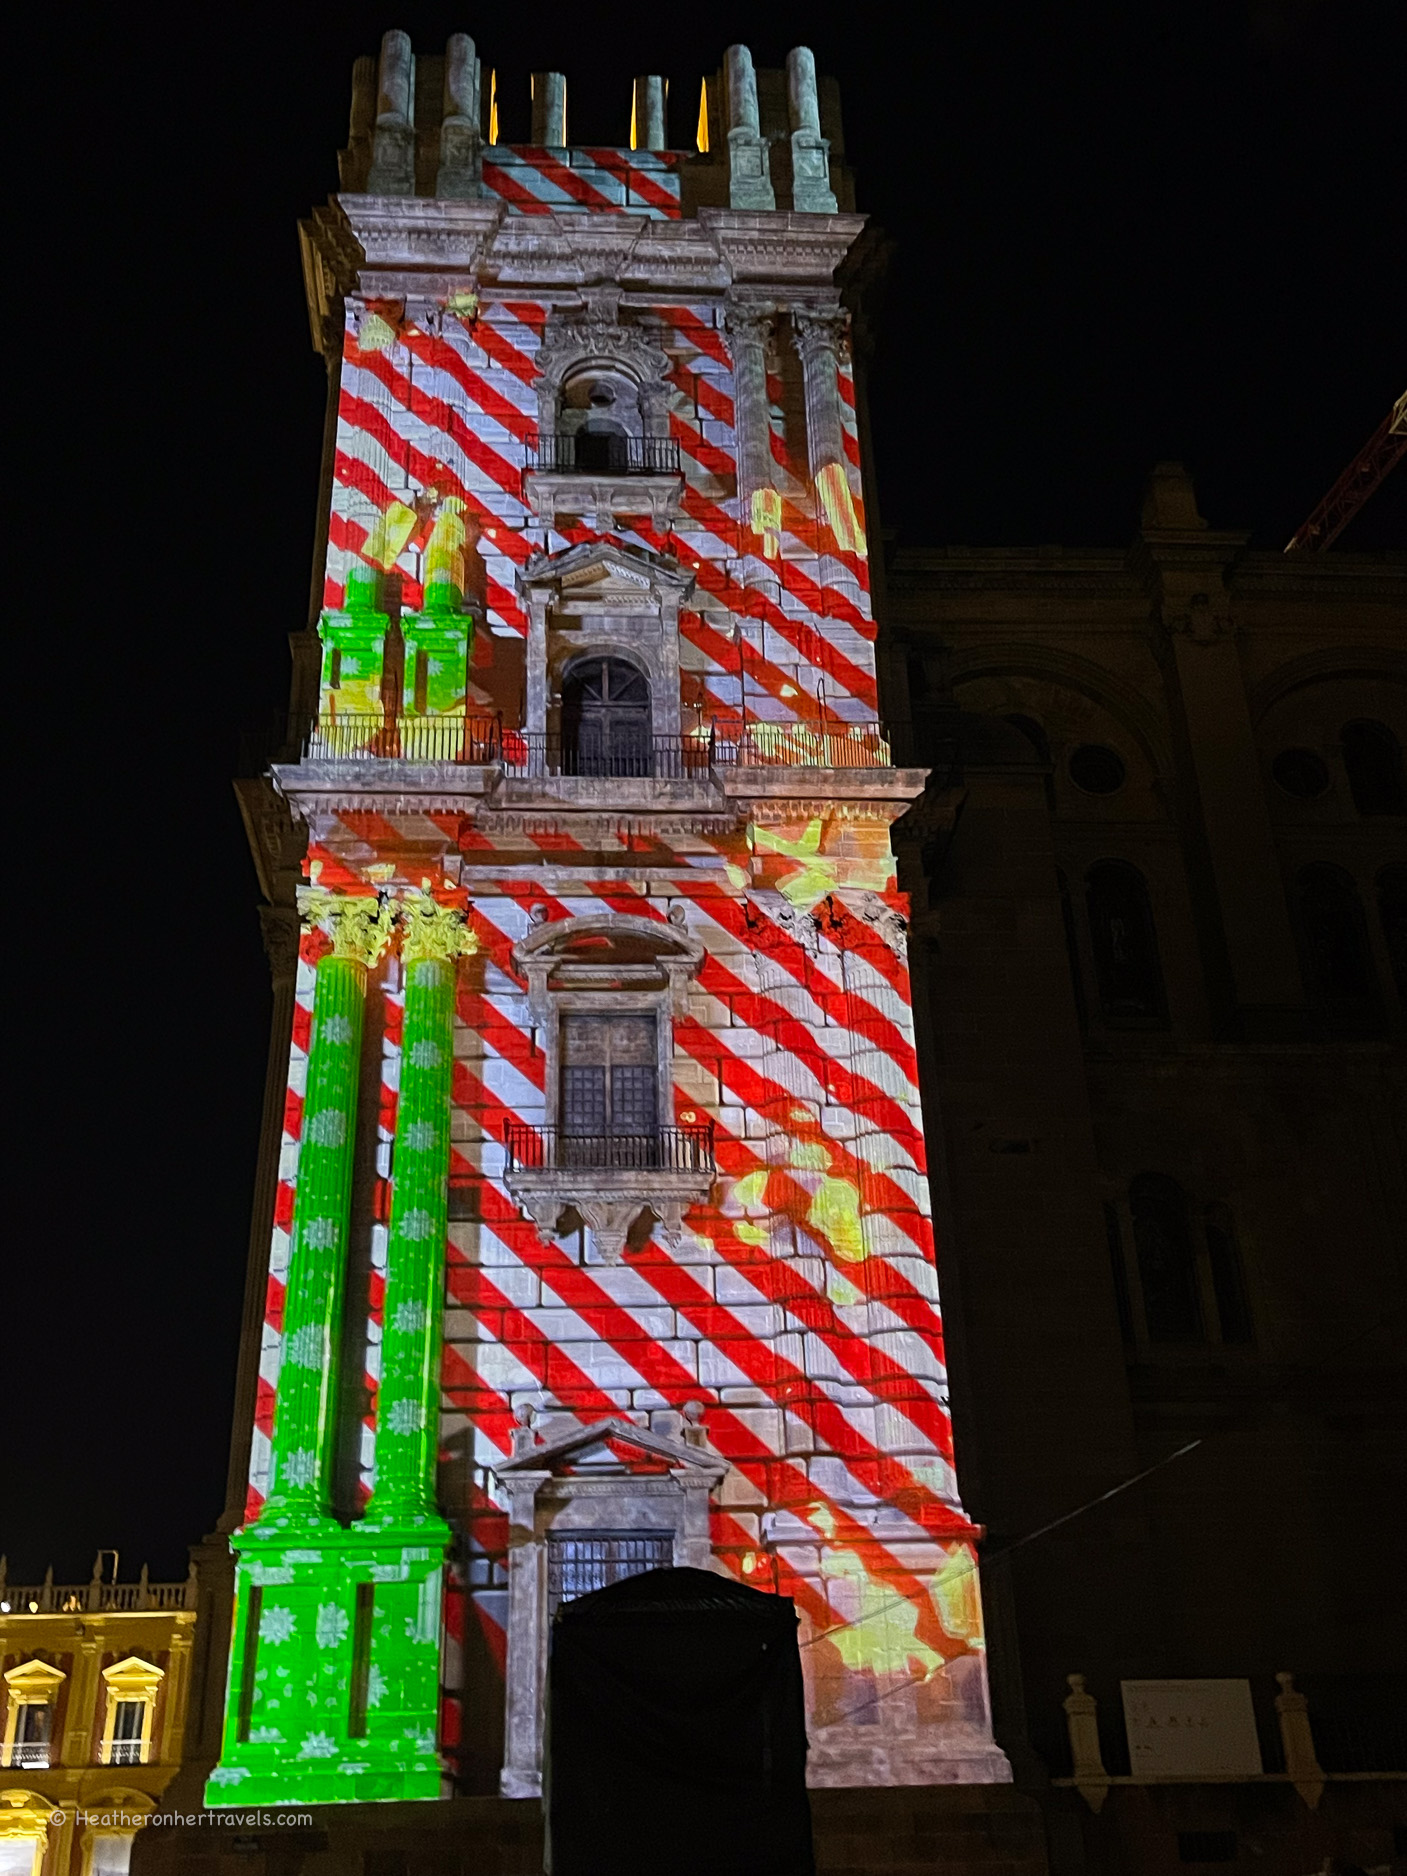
(334, 1670)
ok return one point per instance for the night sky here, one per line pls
(1124, 233)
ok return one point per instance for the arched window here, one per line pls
(606, 723)
(1167, 1268)
(1373, 757)
(1338, 964)
(1125, 946)
(598, 415)
(1392, 909)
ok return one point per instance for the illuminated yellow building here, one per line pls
(93, 1686)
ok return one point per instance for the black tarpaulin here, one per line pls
(676, 1732)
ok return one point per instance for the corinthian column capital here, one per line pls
(359, 926)
(745, 320)
(430, 930)
(820, 331)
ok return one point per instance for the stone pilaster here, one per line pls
(759, 503)
(820, 337)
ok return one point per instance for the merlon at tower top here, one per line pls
(430, 126)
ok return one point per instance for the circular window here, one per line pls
(1300, 773)
(1099, 771)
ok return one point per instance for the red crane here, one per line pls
(1378, 457)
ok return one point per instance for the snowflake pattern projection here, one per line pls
(332, 1625)
(318, 1746)
(276, 1625)
(228, 1774)
(422, 1136)
(375, 1687)
(299, 1467)
(329, 1128)
(416, 1226)
(406, 1416)
(425, 1054)
(306, 1346)
(410, 1319)
(265, 1736)
(321, 1233)
(334, 1029)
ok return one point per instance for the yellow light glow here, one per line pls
(493, 107)
(634, 138)
(702, 136)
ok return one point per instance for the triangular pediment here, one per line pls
(34, 1677)
(133, 1673)
(581, 1445)
(605, 569)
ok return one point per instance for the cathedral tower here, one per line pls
(601, 1233)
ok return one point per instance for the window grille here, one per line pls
(610, 1076)
(582, 1562)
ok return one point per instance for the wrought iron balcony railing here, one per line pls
(665, 758)
(396, 736)
(392, 735)
(803, 745)
(555, 1149)
(30, 1755)
(591, 452)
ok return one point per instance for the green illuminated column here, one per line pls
(304, 1430)
(437, 641)
(402, 1606)
(351, 716)
(408, 1399)
(292, 1718)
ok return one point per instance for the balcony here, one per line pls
(588, 453)
(391, 736)
(662, 758)
(606, 476)
(28, 1755)
(802, 745)
(703, 771)
(610, 1180)
(554, 1149)
(394, 735)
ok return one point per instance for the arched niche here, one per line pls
(621, 365)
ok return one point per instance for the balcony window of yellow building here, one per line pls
(31, 1690)
(130, 1706)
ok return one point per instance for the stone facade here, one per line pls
(633, 1154)
(1228, 1098)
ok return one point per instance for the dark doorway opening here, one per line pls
(675, 1725)
(606, 724)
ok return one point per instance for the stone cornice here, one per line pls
(398, 246)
